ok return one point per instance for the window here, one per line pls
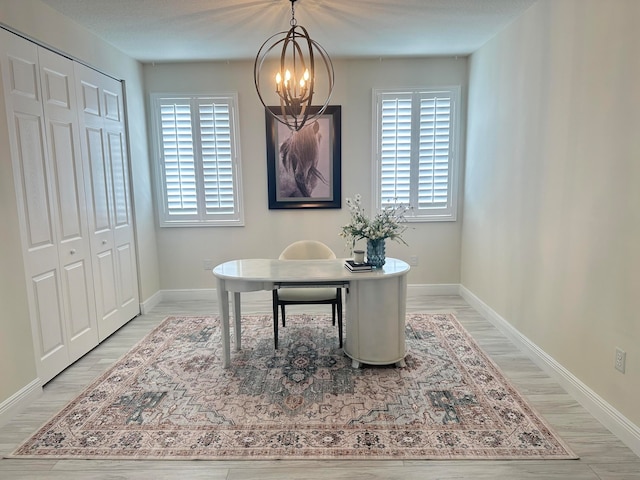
(198, 160)
(416, 154)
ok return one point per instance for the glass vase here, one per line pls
(375, 252)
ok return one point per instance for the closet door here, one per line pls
(67, 181)
(104, 148)
(36, 201)
(44, 139)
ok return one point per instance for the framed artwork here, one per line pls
(303, 167)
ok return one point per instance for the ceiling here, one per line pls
(192, 30)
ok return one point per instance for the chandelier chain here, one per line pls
(293, 22)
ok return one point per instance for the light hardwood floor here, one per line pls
(602, 455)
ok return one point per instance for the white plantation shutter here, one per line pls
(200, 167)
(395, 151)
(178, 159)
(217, 158)
(416, 161)
(434, 153)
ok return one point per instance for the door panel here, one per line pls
(51, 345)
(121, 207)
(112, 104)
(22, 70)
(75, 283)
(107, 293)
(37, 199)
(128, 290)
(110, 221)
(65, 157)
(33, 179)
(56, 89)
(98, 178)
(51, 330)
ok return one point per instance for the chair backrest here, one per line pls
(307, 250)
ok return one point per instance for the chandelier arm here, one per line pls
(260, 58)
(312, 73)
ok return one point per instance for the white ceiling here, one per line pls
(183, 30)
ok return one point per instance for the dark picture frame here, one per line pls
(298, 182)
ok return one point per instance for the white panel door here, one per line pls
(37, 202)
(124, 241)
(65, 157)
(103, 144)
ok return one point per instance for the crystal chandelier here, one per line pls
(296, 77)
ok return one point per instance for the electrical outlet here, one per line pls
(207, 264)
(413, 260)
(621, 359)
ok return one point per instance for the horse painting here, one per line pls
(298, 166)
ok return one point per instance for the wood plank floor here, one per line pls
(602, 455)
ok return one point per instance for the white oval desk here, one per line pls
(375, 301)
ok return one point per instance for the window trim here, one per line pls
(448, 214)
(200, 220)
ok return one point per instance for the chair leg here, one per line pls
(282, 310)
(339, 308)
(275, 318)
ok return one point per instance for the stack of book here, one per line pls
(357, 267)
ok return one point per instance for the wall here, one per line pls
(552, 206)
(267, 232)
(37, 21)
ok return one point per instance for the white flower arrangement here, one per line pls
(385, 224)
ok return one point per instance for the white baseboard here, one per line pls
(151, 302)
(189, 294)
(611, 418)
(19, 401)
(446, 289)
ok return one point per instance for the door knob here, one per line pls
(73, 251)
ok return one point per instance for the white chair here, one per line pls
(307, 250)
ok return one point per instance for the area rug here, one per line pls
(169, 398)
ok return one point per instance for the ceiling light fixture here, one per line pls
(295, 81)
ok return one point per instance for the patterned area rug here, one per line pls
(169, 398)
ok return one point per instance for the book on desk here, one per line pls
(357, 267)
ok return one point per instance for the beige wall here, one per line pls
(35, 20)
(267, 232)
(552, 205)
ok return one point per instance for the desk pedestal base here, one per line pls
(357, 364)
(375, 321)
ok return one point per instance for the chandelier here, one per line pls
(295, 80)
